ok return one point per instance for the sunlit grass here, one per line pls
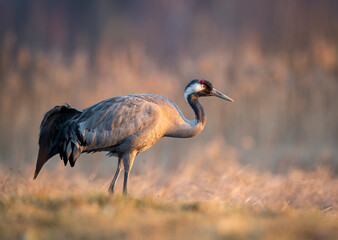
(56, 206)
(98, 215)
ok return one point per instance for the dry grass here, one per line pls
(99, 216)
(230, 201)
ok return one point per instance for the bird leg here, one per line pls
(117, 173)
(128, 160)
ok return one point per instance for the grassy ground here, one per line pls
(97, 215)
(300, 205)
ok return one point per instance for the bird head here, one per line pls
(203, 88)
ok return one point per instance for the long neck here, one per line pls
(191, 128)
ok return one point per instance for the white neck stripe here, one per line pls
(196, 87)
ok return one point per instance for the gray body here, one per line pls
(124, 126)
(132, 123)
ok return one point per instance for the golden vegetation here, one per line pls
(230, 201)
(201, 199)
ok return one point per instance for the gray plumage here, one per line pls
(124, 126)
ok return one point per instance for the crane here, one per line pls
(123, 126)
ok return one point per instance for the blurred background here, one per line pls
(277, 59)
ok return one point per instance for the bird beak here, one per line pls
(216, 93)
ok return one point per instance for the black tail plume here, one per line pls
(51, 128)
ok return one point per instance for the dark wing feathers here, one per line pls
(52, 131)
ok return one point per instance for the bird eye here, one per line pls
(204, 86)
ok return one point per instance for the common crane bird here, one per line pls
(124, 126)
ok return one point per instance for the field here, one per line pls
(239, 203)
